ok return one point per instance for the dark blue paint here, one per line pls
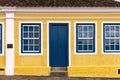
(1, 39)
(108, 47)
(77, 41)
(31, 42)
(58, 44)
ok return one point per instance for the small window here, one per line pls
(30, 38)
(85, 37)
(111, 36)
(0, 38)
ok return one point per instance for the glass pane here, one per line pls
(31, 35)
(36, 41)
(112, 41)
(117, 41)
(90, 28)
(25, 35)
(107, 41)
(25, 41)
(90, 34)
(112, 47)
(30, 28)
(107, 34)
(26, 48)
(79, 47)
(107, 47)
(117, 34)
(36, 35)
(111, 34)
(79, 34)
(85, 28)
(90, 41)
(112, 28)
(36, 48)
(85, 47)
(90, 47)
(117, 28)
(85, 34)
(79, 28)
(25, 28)
(117, 47)
(85, 41)
(106, 28)
(31, 48)
(36, 28)
(31, 41)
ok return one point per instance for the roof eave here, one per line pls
(61, 9)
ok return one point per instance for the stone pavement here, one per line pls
(50, 78)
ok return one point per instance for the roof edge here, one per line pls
(61, 9)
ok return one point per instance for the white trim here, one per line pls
(60, 9)
(69, 39)
(9, 40)
(2, 38)
(30, 54)
(107, 53)
(75, 38)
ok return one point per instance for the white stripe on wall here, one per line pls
(9, 40)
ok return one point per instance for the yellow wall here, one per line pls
(2, 57)
(99, 65)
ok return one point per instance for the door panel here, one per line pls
(58, 44)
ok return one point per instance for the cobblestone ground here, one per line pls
(50, 78)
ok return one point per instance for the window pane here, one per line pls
(117, 28)
(36, 48)
(117, 47)
(90, 34)
(107, 41)
(36, 41)
(90, 28)
(25, 35)
(85, 28)
(90, 47)
(36, 35)
(30, 35)
(25, 28)
(25, 41)
(112, 28)
(107, 34)
(79, 34)
(31, 48)
(112, 41)
(107, 47)
(112, 47)
(26, 48)
(30, 41)
(85, 47)
(80, 47)
(106, 28)
(36, 28)
(30, 28)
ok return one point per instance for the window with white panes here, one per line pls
(111, 36)
(85, 37)
(30, 38)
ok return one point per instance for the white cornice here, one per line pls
(61, 9)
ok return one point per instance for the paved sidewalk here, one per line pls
(50, 78)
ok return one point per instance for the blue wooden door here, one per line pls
(58, 44)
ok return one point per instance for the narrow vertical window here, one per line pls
(0, 38)
(85, 37)
(30, 38)
(111, 37)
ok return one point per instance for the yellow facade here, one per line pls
(2, 57)
(85, 65)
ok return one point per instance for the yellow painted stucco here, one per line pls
(2, 57)
(85, 65)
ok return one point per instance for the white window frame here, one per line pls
(22, 54)
(103, 39)
(76, 53)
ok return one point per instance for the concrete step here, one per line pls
(59, 71)
(59, 74)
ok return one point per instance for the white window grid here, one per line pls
(82, 36)
(112, 34)
(32, 38)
